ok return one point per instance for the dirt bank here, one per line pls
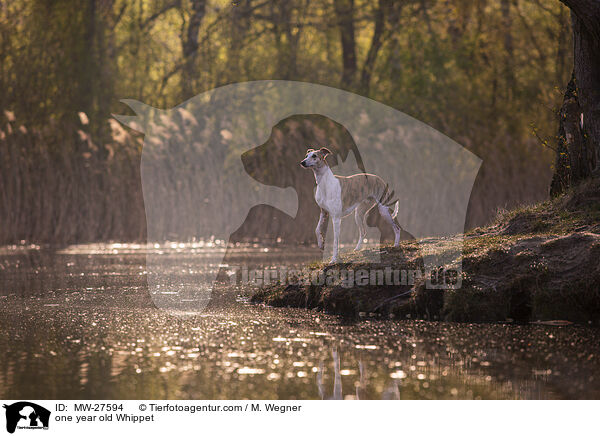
(534, 263)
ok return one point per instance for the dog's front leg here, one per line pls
(322, 229)
(336, 238)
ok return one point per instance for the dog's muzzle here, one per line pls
(303, 164)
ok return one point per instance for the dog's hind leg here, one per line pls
(385, 213)
(360, 216)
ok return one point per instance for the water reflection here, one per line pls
(391, 392)
(78, 324)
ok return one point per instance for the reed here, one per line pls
(59, 185)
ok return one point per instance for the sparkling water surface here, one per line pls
(77, 322)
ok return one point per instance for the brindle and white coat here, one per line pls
(339, 196)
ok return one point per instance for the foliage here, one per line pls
(481, 71)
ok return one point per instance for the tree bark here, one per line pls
(574, 154)
(585, 15)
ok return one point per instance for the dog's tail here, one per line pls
(387, 199)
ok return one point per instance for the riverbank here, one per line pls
(534, 263)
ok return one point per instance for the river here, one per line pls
(77, 323)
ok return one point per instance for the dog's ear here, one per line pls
(325, 151)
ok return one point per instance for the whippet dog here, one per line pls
(340, 196)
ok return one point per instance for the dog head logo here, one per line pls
(26, 415)
(223, 168)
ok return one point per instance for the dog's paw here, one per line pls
(333, 261)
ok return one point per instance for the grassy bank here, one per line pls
(534, 263)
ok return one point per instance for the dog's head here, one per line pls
(315, 158)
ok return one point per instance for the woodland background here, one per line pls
(490, 74)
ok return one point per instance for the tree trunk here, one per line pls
(189, 46)
(376, 42)
(582, 101)
(574, 154)
(509, 70)
(286, 40)
(240, 23)
(344, 10)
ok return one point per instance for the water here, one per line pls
(77, 323)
